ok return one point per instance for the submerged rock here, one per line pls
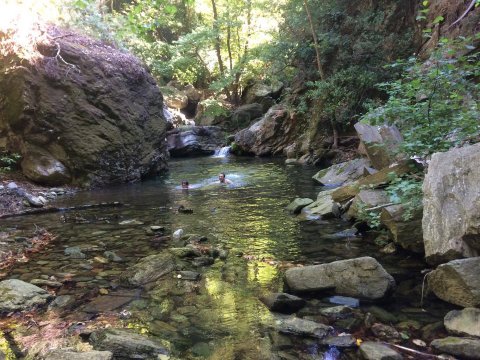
(283, 303)
(17, 295)
(462, 347)
(371, 350)
(81, 120)
(69, 354)
(451, 220)
(463, 322)
(300, 327)
(126, 344)
(361, 277)
(149, 269)
(457, 282)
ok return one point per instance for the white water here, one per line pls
(221, 153)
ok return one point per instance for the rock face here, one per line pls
(195, 140)
(125, 344)
(464, 322)
(268, 136)
(339, 174)
(17, 295)
(451, 220)
(461, 347)
(361, 277)
(149, 269)
(380, 143)
(81, 120)
(457, 282)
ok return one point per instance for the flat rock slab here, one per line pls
(339, 174)
(149, 269)
(17, 295)
(126, 344)
(106, 303)
(371, 350)
(68, 354)
(457, 282)
(464, 348)
(301, 327)
(283, 303)
(298, 204)
(463, 322)
(361, 277)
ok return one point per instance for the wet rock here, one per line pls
(157, 228)
(345, 172)
(431, 331)
(370, 350)
(101, 260)
(300, 327)
(61, 301)
(69, 354)
(149, 269)
(35, 201)
(178, 234)
(189, 275)
(195, 140)
(344, 300)
(283, 303)
(464, 348)
(298, 204)
(17, 295)
(343, 341)
(324, 206)
(337, 312)
(451, 221)
(110, 255)
(202, 349)
(74, 253)
(381, 143)
(457, 282)
(44, 282)
(174, 98)
(184, 252)
(244, 115)
(407, 234)
(463, 322)
(125, 344)
(130, 222)
(361, 277)
(382, 315)
(12, 186)
(385, 332)
(203, 261)
(106, 303)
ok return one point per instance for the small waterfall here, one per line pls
(167, 114)
(221, 153)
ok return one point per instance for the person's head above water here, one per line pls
(223, 179)
(185, 184)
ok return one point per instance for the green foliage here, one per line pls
(213, 108)
(8, 161)
(406, 190)
(435, 105)
(371, 217)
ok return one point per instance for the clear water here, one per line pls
(221, 314)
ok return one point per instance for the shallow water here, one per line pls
(222, 313)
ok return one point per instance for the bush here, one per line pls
(8, 161)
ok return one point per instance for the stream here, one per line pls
(220, 314)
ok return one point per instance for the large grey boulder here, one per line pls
(464, 348)
(406, 233)
(342, 173)
(463, 322)
(370, 350)
(300, 327)
(451, 220)
(195, 140)
(174, 98)
(149, 269)
(381, 143)
(81, 120)
(126, 344)
(244, 116)
(261, 92)
(69, 354)
(17, 295)
(457, 282)
(361, 277)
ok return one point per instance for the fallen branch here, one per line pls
(470, 7)
(48, 210)
(413, 351)
(381, 206)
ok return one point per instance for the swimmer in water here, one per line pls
(185, 184)
(223, 180)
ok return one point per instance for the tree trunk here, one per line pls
(315, 41)
(217, 38)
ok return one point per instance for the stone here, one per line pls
(342, 173)
(61, 302)
(341, 341)
(451, 220)
(44, 282)
(149, 269)
(130, 222)
(69, 354)
(89, 126)
(371, 350)
(366, 199)
(12, 186)
(203, 261)
(257, 92)
(17, 295)
(184, 252)
(385, 332)
(464, 348)
(74, 253)
(110, 255)
(298, 204)
(457, 282)
(361, 277)
(126, 344)
(381, 143)
(463, 322)
(337, 312)
(174, 98)
(195, 140)
(35, 201)
(106, 303)
(324, 206)
(344, 300)
(283, 303)
(178, 234)
(300, 327)
(244, 115)
(382, 315)
(189, 275)
(406, 233)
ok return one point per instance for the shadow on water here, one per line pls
(247, 219)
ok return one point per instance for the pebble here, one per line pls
(12, 186)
